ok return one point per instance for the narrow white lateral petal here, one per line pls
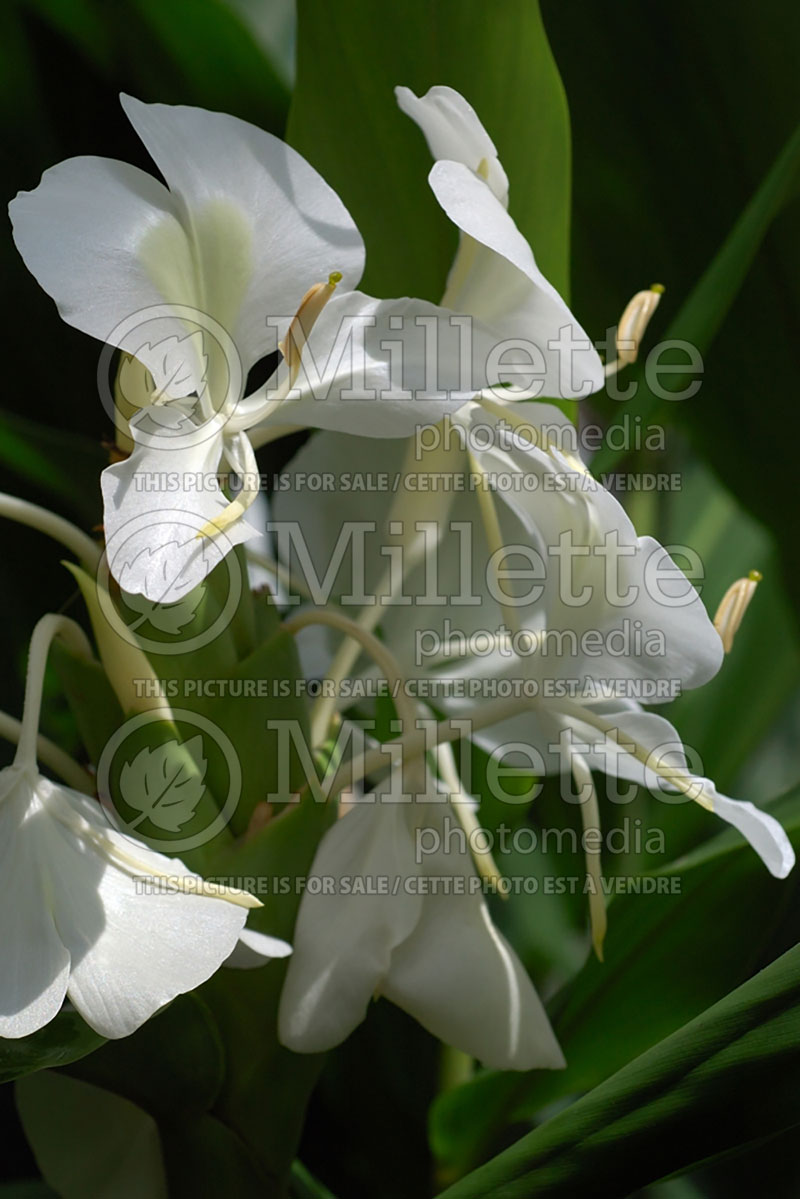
(81, 232)
(132, 950)
(380, 368)
(265, 225)
(35, 963)
(255, 949)
(158, 500)
(459, 977)
(343, 943)
(763, 831)
(453, 130)
(505, 289)
(634, 727)
(658, 737)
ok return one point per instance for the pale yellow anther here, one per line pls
(733, 606)
(633, 325)
(305, 318)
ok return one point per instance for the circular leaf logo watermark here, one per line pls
(154, 773)
(182, 361)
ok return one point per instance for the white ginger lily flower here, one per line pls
(494, 276)
(612, 619)
(94, 916)
(83, 916)
(435, 952)
(200, 280)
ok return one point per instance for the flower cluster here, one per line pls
(526, 579)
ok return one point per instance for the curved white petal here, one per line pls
(763, 831)
(157, 502)
(634, 726)
(453, 130)
(132, 951)
(642, 631)
(505, 289)
(255, 949)
(34, 967)
(81, 233)
(616, 607)
(343, 943)
(458, 976)
(265, 225)
(380, 368)
(658, 738)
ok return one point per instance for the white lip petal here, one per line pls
(35, 963)
(343, 943)
(157, 502)
(133, 949)
(453, 130)
(267, 225)
(458, 976)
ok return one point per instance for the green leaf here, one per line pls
(52, 459)
(344, 119)
(725, 1080)
(165, 50)
(266, 1087)
(717, 917)
(715, 720)
(704, 311)
(173, 1063)
(305, 1186)
(65, 1039)
(188, 35)
(173, 1068)
(260, 690)
(120, 1152)
(91, 698)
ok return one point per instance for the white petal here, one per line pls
(34, 967)
(453, 130)
(506, 290)
(266, 225)
(343, 942)
(256, 949)
(132, 951)
(763, 831)
(458, 976)
(631, 632)
(636, 727)
(81, 232)
(352, 381)
(651, 621)
(157, 501)
(657, 736)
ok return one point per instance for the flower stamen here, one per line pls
(733, 606)
(632, 326)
